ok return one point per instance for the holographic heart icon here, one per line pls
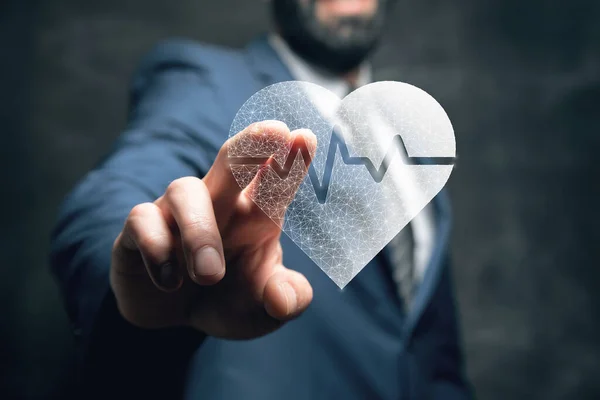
(383, 153)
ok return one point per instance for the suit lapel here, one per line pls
(265, 63)
(436, 263)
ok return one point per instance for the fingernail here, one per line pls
(208, 262)
(168, 278)
(290, 297)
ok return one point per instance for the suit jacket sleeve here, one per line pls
(171, 132)
(449, 380)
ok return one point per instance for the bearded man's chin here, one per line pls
(335, 49)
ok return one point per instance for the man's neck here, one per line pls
(352, 77)
(304, 71)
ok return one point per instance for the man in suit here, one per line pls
(178, 286)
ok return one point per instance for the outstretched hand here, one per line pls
(205, 255)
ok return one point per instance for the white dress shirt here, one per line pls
(423, 224)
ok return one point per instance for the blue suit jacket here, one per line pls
(350, 344)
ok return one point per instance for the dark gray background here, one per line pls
(519, 79)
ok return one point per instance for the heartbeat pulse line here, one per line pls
(321, 188)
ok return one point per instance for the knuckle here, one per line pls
(140, 211)
(253, 127)
(273, 126)
(181, 185)
(134, 225)
(228, 143)
(270, 128)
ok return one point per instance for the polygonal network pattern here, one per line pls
(359, 215)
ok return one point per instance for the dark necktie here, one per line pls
(401, 251)
(401, 257)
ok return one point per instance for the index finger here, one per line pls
(257, 141)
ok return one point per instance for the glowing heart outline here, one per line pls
(342, 236)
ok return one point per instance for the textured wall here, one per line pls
(520, 81)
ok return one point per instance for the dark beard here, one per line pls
(338, 48)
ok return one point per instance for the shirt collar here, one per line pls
(301, 70)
